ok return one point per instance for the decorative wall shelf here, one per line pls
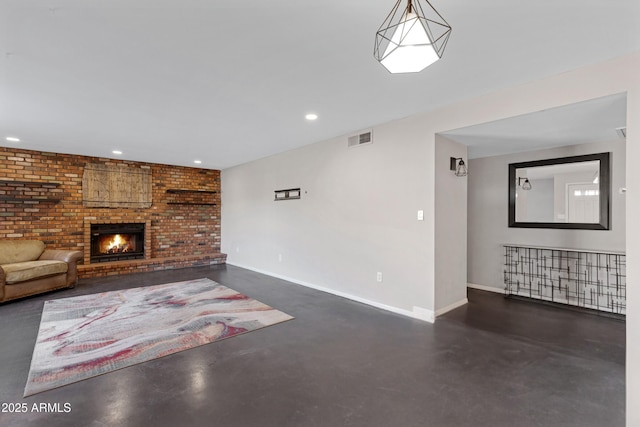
(28, 200)
(16, 188)
(192, 203)
(184, 191)
(38, 183)
(289, 194)
(183, 196)
(584, 278)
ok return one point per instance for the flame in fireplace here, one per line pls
(117, 241)
(118, 245)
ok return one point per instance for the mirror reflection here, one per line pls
(560, 193)
(566, 192)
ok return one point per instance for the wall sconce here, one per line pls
(457, 164)
(524, 183)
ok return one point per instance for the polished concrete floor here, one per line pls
(494, 362)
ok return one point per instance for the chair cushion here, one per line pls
(20, 250)
(21, 271)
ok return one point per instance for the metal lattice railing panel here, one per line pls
(589, 279)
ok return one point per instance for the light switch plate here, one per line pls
(420, 215)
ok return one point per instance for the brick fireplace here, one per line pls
(109, 241)
(41, 197)
(117, 242)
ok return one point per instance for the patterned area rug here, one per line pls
(86, 336)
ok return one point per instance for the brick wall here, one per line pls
(185, 227)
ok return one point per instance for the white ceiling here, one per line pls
(229, 82)
(595, 120)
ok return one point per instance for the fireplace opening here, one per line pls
(117, 242)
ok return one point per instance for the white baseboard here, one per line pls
(417, 313)
(486, 288)
(450, 307)
(423, 314)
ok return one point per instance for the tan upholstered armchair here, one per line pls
(26, 268)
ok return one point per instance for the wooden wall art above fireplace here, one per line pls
(116, 186)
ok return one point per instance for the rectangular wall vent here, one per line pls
(622, 132)
(360, 139)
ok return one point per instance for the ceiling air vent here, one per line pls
(622, 132)
(360, 139)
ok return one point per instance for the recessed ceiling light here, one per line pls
(12, 139)
(118, 152)
(311, 116)
(197, 162)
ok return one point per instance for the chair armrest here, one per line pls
(59, 255)
(70, 257)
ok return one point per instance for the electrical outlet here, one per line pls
(379, 277)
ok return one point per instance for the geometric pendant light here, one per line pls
(411, 38)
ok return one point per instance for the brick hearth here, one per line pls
(153, 264)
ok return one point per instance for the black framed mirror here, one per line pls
(567, 192)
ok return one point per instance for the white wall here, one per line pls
(488, 212)
(359, 215)
(633, 255)
(451, 227)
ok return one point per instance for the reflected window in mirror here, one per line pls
(567, 192)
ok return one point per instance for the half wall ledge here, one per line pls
(144, 265)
